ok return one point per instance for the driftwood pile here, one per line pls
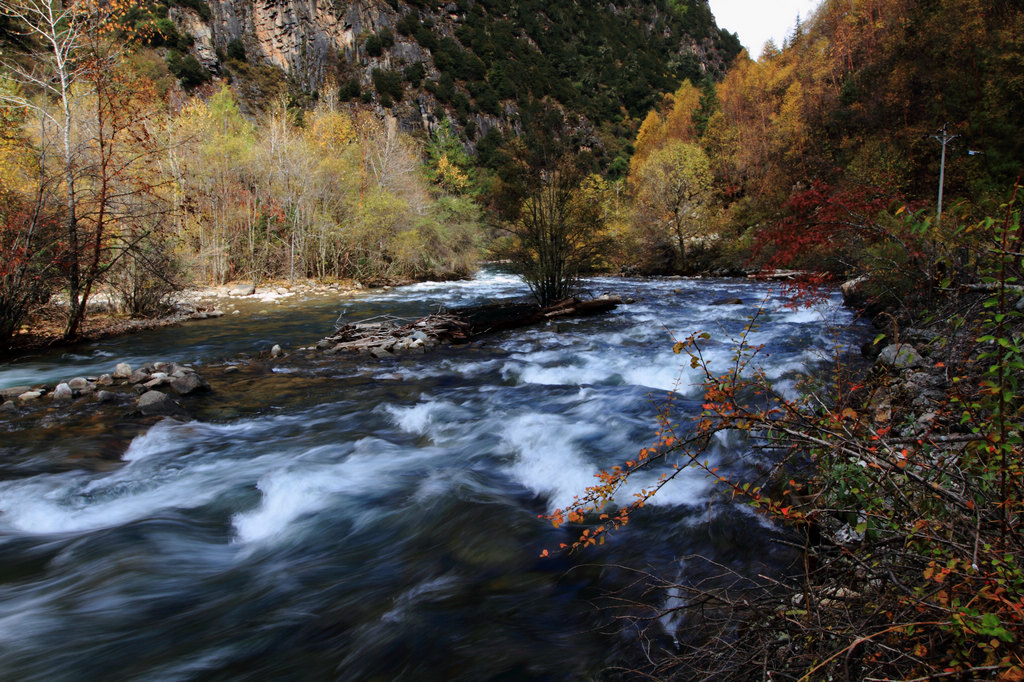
(387, 336)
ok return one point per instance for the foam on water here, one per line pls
(548, 460)
(292, 492)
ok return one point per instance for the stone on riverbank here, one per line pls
(243, 290)
(13, 392)
(900, 356)
(122, 371)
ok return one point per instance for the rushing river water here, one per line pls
(364, 519)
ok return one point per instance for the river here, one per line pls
(377, 520)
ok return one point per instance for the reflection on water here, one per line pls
(356, 519)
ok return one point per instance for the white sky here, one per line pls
(755, 21)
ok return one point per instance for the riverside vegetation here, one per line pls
(902, 486)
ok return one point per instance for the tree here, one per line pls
(28, 229)
(451, 168)
(99, 118)
(555, 231)
(673, 196)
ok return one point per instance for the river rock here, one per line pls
(189, 384)
(900, 356)
(276, 351)
(62, 392)
(157, 379)
(379, 352)
(728, 301)
(29, 396)
(138, 376)
(243, 290)
(13, 392)
(122, 371)
(106, 396)
(8, 407)
(104, 380)
(155, 402)
(78, 384)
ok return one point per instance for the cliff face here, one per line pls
(477, 62)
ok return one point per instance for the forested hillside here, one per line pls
(483, 64)
(846, 115)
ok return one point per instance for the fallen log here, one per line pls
(384, 336)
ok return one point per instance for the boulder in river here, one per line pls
(138, 376)
(8, 407)
(155, 402)
(189, 384)
(29, 396)
(122, 371)
(728, 301)
(78, 384)
(63, 392)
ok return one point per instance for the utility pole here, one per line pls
(944, 140)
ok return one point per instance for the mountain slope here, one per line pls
(480, 63)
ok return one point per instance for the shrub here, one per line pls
(349, 90)
(187, 69)
(236, 50)
(388, 84)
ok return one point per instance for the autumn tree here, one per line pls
(28, 230)
(673, 196)
(98, 124)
